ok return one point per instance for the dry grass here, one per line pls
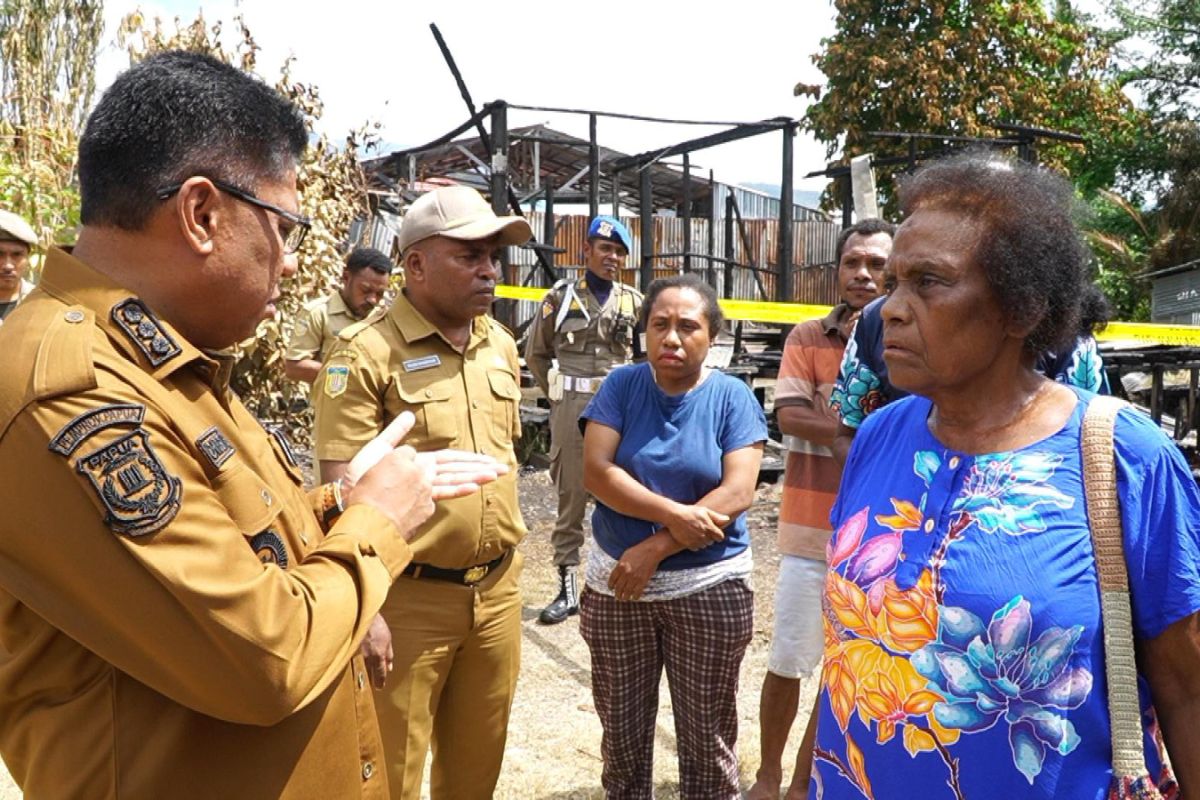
(553, 748)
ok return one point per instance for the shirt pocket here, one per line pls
(433, 406)
(506, 406)
(257, 511)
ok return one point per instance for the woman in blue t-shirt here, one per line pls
(671, 454)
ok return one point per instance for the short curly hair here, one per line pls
(1030, 247)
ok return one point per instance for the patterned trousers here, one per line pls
(700, 640)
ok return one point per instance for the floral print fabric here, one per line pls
(963, 645)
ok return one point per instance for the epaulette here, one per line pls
(355, 328)
(64, 362)
(499, 326)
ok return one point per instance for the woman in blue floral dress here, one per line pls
(964, 652)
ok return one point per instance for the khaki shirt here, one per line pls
(397, 361)
(317, 327)
(173, 620)
(586, 346)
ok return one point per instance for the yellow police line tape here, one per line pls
(793, 313)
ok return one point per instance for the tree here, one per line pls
(332, 191)
(955, 67)
(46, 87)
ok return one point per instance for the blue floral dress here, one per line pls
(963, 645)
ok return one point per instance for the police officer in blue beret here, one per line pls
(584, 329)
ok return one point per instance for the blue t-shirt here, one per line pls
(962, 609)
(673, 445)
(863, 386)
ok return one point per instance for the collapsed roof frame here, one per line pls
(497, 137)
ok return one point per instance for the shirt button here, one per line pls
(429, 392)
(954, 462)
(266, 497)
(73, 316)
(362, 680)
(368, 770)
(929, 526)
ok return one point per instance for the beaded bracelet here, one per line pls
(331, 503)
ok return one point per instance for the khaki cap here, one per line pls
(15, 228)
(459, 212)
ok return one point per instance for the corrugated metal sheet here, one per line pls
(1176, 298)
(814, 276)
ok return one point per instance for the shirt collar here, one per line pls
(337, 305)
(134, 328)
(830, 322)
(414, 327)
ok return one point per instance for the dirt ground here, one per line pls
(554, 738)
(553, 750)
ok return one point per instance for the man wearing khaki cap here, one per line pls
(17, 239)
(451, 623)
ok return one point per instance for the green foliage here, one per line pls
(954, 67)
(46, 86)
(332, 192)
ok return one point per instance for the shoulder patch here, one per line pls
(132, 484)
(145, 331)
(75, 432)
(215, 447)
(547, 308)
(337, 377)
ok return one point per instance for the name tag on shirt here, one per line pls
(425, 362)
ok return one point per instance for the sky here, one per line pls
(377, 62)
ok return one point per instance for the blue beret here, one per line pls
(606, 227)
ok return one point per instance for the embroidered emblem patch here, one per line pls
(134, 487)
(215, 446)
(145, 331)
(270, 549)
(605, 229)
(547, 309)
(425, 362)
(337, 377)
(75, 432)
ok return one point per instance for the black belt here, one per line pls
(467, 577)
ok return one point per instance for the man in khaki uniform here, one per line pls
(17, 240)
(455, 615)
(364, 283)
(177, 617)
(588, 325)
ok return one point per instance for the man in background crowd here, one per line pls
(17, 241)
(811, 357)
(364, 283)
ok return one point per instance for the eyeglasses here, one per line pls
(292, 237)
